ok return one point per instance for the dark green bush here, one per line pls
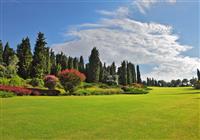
(197, 85)
(5, 94)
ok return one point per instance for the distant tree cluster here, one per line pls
(44, 61)
(172, 83)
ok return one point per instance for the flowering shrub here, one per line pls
(70, 78)
(50, 81)
(18, 90)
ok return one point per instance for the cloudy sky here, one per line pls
(160, 35)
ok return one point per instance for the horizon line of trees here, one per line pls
(44, 61)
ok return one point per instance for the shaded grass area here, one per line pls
(150, 116)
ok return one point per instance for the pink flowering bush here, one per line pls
(70, 78)
(17, 90)
(50, 81)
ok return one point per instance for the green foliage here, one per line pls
(62, 60)
(133, 90)
(94, 66)
(75, 63)
(81, 67)
(25, 58)
(122, 71)
(198, 74)
(2, 71)
(4, 81)
(1, 53)
(36, 82)
(139, 80)
(197, 85)
(70, 63)
(17, 81)
(39, 57)
(8, 54)
(5, 94)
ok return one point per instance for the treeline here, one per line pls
(172, 83)
(44, 61)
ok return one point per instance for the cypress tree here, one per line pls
(53, 62)
(138, 75)
(8, 53)
(39, 63)
(1, 52)
(81, 67)
(113, 69)
(129, 74)
(70, 63)
(133, 73)
(48, 61)
(123, 73)
(75, 63)
(62, 60)
(198, 74)
(25, 58)
(94, 66)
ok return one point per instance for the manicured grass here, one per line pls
(164, 113)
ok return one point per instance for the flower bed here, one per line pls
(17, 90)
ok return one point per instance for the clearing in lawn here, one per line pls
(164, 113)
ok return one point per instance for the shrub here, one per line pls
(4, 81)
(70, 78)
(36, 82)
(17, 81)
(50, 81)
(4, 94)
(197, 85)
(131, 90)
(17, 90)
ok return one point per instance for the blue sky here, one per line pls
(20, 18)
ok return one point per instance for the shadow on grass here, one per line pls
(182, 93)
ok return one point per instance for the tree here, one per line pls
(94, 66)
(198, 74)
(122, 71)
(38, 63)
(47, 68)
(53, 63)
(7, 54)
(62, 60)
(70, 63)
(81, 67)
(1, 52)
(129, 74)
(75, 63)
(11, 69)
(25, 58)
(133, 73)
(138, 75)
(113, 69)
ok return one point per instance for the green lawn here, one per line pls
(164, 113)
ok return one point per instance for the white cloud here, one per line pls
(144, 5)
(120, 12)
(122, 38)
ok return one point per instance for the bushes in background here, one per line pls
(133, 90)
(36, 82)
(197, 85)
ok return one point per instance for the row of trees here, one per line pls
(173, 83)
(44, 61)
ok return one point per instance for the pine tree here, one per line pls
(39, 63)
(198, 74)
(53, 62)
(7, 54)
(1, 53)
(138, 75)
(25, 58)
(94, 66)
(81, 67)
(75, 63)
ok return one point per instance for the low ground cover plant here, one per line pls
(5, 94)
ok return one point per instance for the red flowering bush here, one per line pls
(18, 90)
(50, 81)
(70, 78)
